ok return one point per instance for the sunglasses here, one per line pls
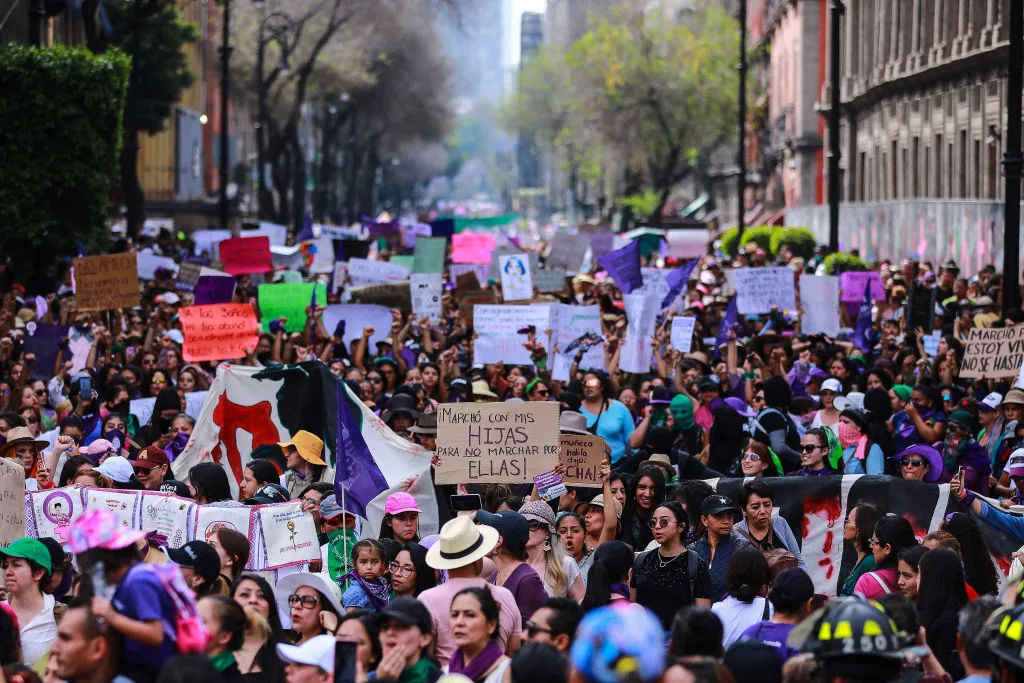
(543, 392)
(531, 628)
(40, 392)
(660, 523)
(757, 398)
(752, 456)
(307, 601)
(808, 448)
(32, 419)
(908, 462)
(535, 525)
(374, 380)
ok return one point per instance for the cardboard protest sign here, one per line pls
(852, 285)
(516, 283)
(122, 503)
(582, 457)
(392, 295)
(759, 289)
(496, 442)
(12, 501)
(288, 300)
(498, 337)
(167, 514)
(819, 297)
(363, 272)
(682, 333)
(289, 534)
(54, 509)
(426, 290)
(481, 270)
(567, 252)
(993, 353)
(429, 255)
(106, 282)
(187, 277)
(470, 247)
(246, 255)
(218, 332)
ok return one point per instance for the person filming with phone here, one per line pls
(1001, 519)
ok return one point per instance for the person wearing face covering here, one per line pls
(961, 449)
(166, 407)
(860, 454)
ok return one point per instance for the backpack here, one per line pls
(778, 559)
(691, 569)
(792, 426)
(191, 635)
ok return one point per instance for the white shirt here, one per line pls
(38, 634)
(496, 675)
(572, 571)
(737, 616)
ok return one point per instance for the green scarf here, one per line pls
(339, 551)
(223, 661)
(418, 672)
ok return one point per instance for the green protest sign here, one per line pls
(428, 256)
(289, 300)
(403, 260)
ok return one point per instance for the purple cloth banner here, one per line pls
(43, 340)
(214, 289)
(356, 471)
(623, 265)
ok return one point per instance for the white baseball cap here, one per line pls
(990, 402)
(833, 385)
(317, 651)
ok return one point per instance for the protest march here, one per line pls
(411, 451)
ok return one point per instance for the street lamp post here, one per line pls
(835, 102)
(741, 151)
(1012, 160)
(225, 84)
(284, 24)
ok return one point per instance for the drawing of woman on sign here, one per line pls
(57, 508)
(515, 268)
(214, 527)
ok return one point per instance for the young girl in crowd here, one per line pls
(369, 588)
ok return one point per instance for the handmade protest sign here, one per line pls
(166, 514)
(549, 280)
(993, 353)
(852, 285)
(187, 277)
(508, 251)
(516, 283)
(569, 324)
(682, 333)
(358, 317)
(497, 329)
(338, 277)
(363, 272)
(392, 295)
(931, 343)
(288, 300)
(582, 457)
(642, 313)
(121, 503)
(656, 286)
(246, 255)
(209, 520)
(567, 252)
(496, 442)
(819, 296)
(429, 255)
(54, 509)
(289, 534)
(759, 289)
(218, 332)
(106, 282)
(426, 290)
(470, 247)
(482, 271)
(12, 501)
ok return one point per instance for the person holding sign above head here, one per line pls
(304, 457)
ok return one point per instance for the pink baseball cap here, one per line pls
(103, 530)
(400, 502)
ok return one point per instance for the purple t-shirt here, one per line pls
(528, 588)
(141, 596)
(774, 636)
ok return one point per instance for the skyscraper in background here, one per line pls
(531, 37)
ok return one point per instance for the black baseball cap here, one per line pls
(409, 611)
(268, 494)
(716, 504)
(512, 527)
(178, 488)
(198, 556)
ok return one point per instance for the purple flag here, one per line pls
(81, 248)
(356, 473)
(864, 332)
(306, 234)
(730, 320)
(677, 281)
(44, 341)
(214, 289)
(623, 265)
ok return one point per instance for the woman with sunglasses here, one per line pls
(815, 449)
(662, 580)
(756, 461)
(410, 574)
(309, 605)
(537, 390)
(920, 462)
(893, 534)
(559, 572)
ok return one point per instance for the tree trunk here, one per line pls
(655, 218)
(134, 198)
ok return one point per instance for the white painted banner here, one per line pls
(365, 272)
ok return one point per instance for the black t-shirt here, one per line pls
(663, 586)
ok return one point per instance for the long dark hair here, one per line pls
(867, 517)
(940, 585)
(747, 574)
(612, 562)
(210, 481)
(425, 576)
(267, 657)
(895, 531)
(978, 567)
(658, 477)
(264, 471)
(691, 494)
(727, 439)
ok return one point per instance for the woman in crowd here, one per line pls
(746, 579)
(233, 550)
(474, 628)
(572, 530)
(909, 570)
(302, 601)
(981, 573)
(90, 477)
(558, 571)
(166, 407)
(691, 494)
(828, 415)
(815, 452)
(860, 455)
(406, 634)
(410, 574)
(608, 580)
(892, 534)
(209, 483)
(512, 571)
(27, 565)
(756, 461)
(606, 417)
(257, 658)
(303, 456)
(774, 427)
(791, 596)
(226, 622)
(181, 430)
(760, 526)
(401, 518)
(73, 466)
(666, 579)
(647, 493)
(920, 462)
(940, 595)
(857, 529)
(360, 628)
(257, 474)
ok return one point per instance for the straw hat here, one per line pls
(461, 543)
(20, 435)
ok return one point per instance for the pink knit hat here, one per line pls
(400, 502)
(103, 530)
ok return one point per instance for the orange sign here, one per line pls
(218, 331)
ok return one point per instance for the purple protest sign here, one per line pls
(214, 289)
(600, 244)
(387, 229)
(43, 340)
(623, 265)
(852, 285)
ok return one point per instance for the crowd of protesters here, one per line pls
(654, 576)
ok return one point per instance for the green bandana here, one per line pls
(223, 661)
(339, 551)
(419, 672)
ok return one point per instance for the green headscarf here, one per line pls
(835, 449)
(903, 391)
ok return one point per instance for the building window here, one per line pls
(963, 164)
(915, 151)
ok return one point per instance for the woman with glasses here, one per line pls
(857, 529)
(303, 602)
(756, 461)
(537, 390)
(891, 536)
(920, 462)
(662, 579)
(559, 572)
(33, 419)
(815, 451)
(410, 574)
(606, 417)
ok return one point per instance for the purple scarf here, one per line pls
(479, 665)
(379, 591)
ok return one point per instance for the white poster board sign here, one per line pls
(289, 534)
(682, 333)
(516, 280)
(759, 289)
(819, 296)
(122, 503)
(497, 329)
(167, 514)
(426, 290)
(366, 272)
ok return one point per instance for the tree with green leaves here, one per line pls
(154, 35)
